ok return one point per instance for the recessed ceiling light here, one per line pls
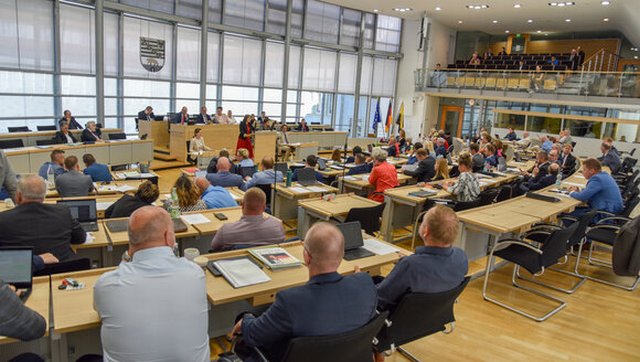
(495, 21)
(507, 31)
(605, 3)
(402, 10)
(530, 21)
(562, 3)
(539, 31)
(477, 6)
(635, 57)
(375, 10)
(517, 6)
(438, 8)
(567, 20)
(605, 19)
(459, 21)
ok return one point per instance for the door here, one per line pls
(451, 120)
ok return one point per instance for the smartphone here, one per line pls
(220, 216)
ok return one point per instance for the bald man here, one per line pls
(435, 267)
(224, 178)
(154, 307)
(328, 304)
(266, 175)
(215, 197)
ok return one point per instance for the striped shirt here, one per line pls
(467, 188)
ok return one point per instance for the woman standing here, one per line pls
(244, 138)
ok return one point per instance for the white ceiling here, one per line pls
(585, 15)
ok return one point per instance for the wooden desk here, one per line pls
(284, 200)
(220, 291)
(38, 301)
(73, 309)
(30, 138)
(100, 188)
(232, 213)
(122, 237)
(361, 182)
(318, 209)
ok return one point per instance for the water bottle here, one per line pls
(51, 178)
(559, 180)
(487, 166)
(289, 176)
(174, 209)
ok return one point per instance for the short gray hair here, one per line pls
(32, 187)
(90, 123)
(379, 154)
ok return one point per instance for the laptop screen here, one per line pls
(15, 266)
(282, 167)
(322, 164)
(306, 175)
(82, 210)
(352, 235)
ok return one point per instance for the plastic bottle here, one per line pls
(51, 178)
(559, 180)
(174, 209)
(289, 176)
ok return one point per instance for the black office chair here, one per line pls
(606, 231)
(15, 143)
(267, 191)
(46, 142)
(189, 158)
(504, 193)
(117, 136)
(535, 260)
(65, 267)
(353, 346)
(416, 316)
(18, 129)
(488, 196)
(369, 217)
(46, 128)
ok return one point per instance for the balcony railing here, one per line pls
(583, 83)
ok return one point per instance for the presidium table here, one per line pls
(216, 136)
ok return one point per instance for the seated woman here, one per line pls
(146, 195)
(336, 156)
(188, 195)
(197, 145)
(467, 187)
(442, 169)
(243, 158)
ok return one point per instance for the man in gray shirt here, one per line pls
(477, 159)
(73, 182)
(254, 228)
(7, 176)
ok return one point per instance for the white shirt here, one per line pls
(153, 308)
(222, 119)
(69, 139)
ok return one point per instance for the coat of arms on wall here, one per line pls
(152, 52)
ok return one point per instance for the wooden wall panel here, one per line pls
(590, 46)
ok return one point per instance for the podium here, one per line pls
(158, 131)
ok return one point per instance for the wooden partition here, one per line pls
(265, 145)
(216, 136)
(158, 131)
(30, 138)
(325, 140)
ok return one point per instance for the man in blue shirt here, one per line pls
(441, 150)
(413, 159)
(601, 193)
(435, 267)
(215, 197)
(609, 157)
(547, 145)
(56, 163)
(489, 152)
(328, 304)
(265, 177)
(361, 166)
(224, 178)
(511, 135)
(311, 162)
(99, 172)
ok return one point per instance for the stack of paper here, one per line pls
(378, 247)
(300, 190)
(316, 189)
(195, 219)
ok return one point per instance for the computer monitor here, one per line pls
(282, 167)
(16, 266)
(82, 210)
(352, 233)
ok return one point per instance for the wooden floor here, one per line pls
(599, 323)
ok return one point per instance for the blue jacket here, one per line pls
(328, 304)
(441, 151)
(538, 183)
(217, 197)
(360, 169)
(601, 193)
(611, 160)
(511, 136)
(225, 179)
(492, 160)
(99, 172)
(57, 169)
(547, 146)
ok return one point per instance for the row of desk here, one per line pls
(30, 138)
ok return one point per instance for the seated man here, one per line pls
(394, 148)
(547, 145)
(29, 222)
(538, 183)
(72, 183)
(525, 141)
(489, 152)
(16, 319)
(609, 158)
(355, 151)
(361, 165)
(412, 158)
(601, 193)
(440, 149)
(511, 135)
(426, 167)
(99, 172)
(253, 229)
(539, 171)
(567, 161)
(215, 197)
(383, 176)
(328, 304)
(437, 266)
(56, 163)
(224, 178)
(212, 168)
(146, 195)
(553, 156)
(310, 162)
(267, 176)
(8, 179)
(154, 307)
(91, 133)
(146, 114)
(477, 159)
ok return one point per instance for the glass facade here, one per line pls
(245, 64)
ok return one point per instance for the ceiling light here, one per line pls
(635, 57)
(495, 21)
(477, 6)
(375, 10)
(507, 31)
(438, 8)
(459, 21)
(402, 10)
(567, 20)
(605, 19)
(562, 3)
(539, 31)
(530, 21)
(517, 6)
(605, 3)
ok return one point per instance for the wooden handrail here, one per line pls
(448, 70)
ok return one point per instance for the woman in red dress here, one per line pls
(244, 138)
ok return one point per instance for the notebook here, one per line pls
(275, 258)
(241, 272)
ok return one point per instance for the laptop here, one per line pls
(353, 242)
(307, 177)
(322, 164)
(15, 268)
(85, 211)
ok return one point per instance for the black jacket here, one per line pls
(567, 165)
(425, 171)
(60, 137)
(143, 116)
(73, 124)
(87, 136)
(124, 207)
(48, 228)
